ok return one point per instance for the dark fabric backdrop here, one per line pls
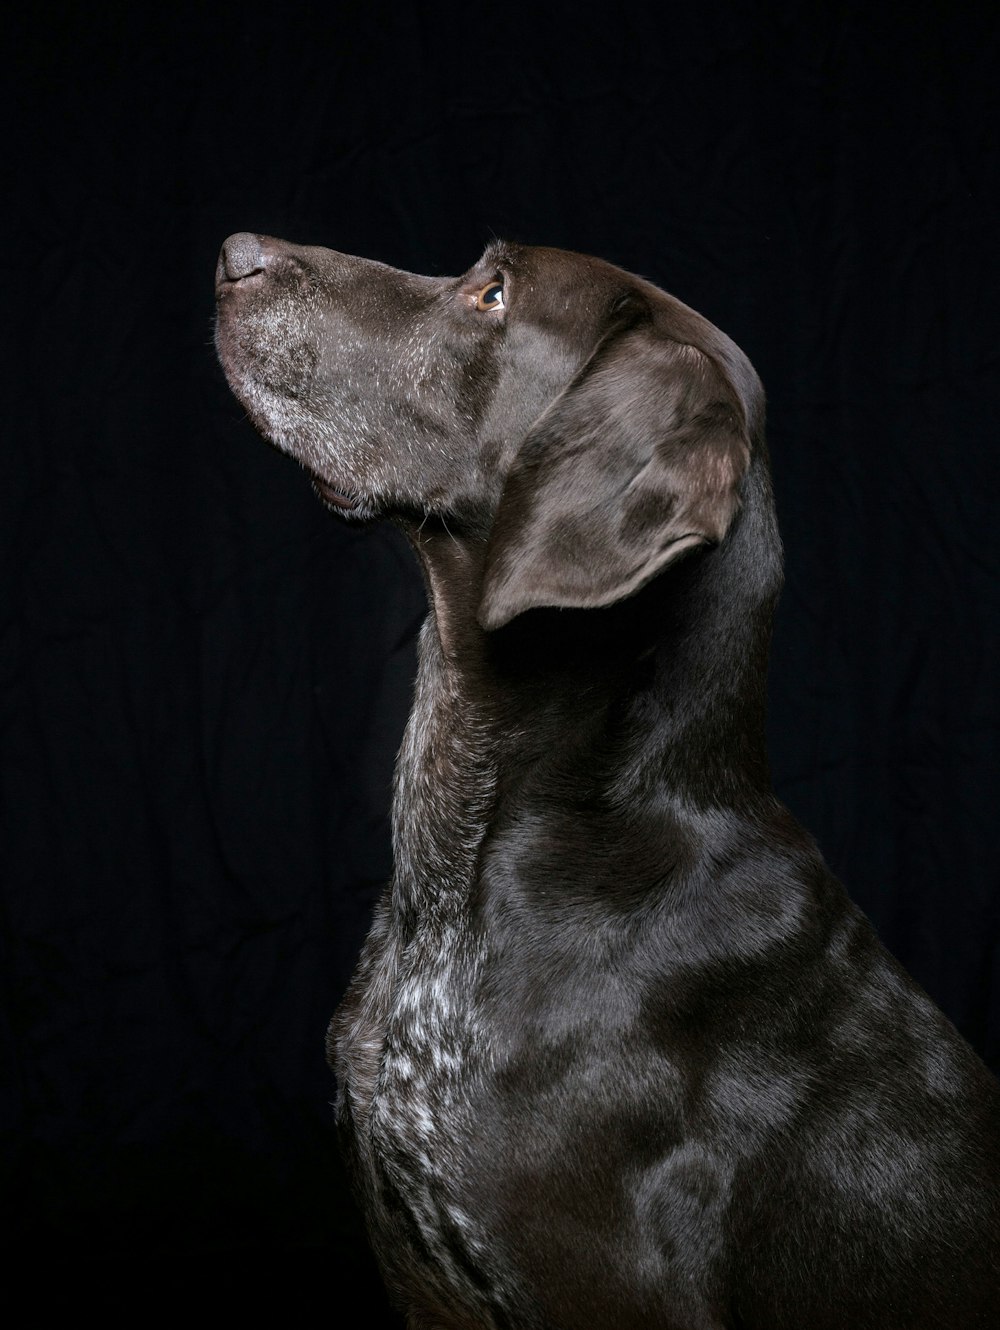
(204, 678)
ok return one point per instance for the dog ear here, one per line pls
(638, 460)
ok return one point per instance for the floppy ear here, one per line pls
(639, 460)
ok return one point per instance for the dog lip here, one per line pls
(225, 284)
(346, 502)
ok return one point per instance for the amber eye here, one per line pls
(491, 296)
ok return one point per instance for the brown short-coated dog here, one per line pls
(619, 1051)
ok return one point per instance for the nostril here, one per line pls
(241, 255)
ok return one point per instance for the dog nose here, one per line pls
(241, 255)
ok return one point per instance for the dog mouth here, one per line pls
(342, 500)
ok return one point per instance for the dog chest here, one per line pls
(412, 1119)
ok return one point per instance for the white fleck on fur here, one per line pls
(415, 1046)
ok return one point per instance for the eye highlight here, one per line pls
(490, 296)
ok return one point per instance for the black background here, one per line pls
(204, 677)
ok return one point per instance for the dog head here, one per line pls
(574, 425)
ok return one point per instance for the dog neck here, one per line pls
(710, 680)
(660, 696)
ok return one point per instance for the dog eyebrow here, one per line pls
(499, 252)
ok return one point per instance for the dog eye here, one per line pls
(490, 297)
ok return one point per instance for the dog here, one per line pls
(619, 1051)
